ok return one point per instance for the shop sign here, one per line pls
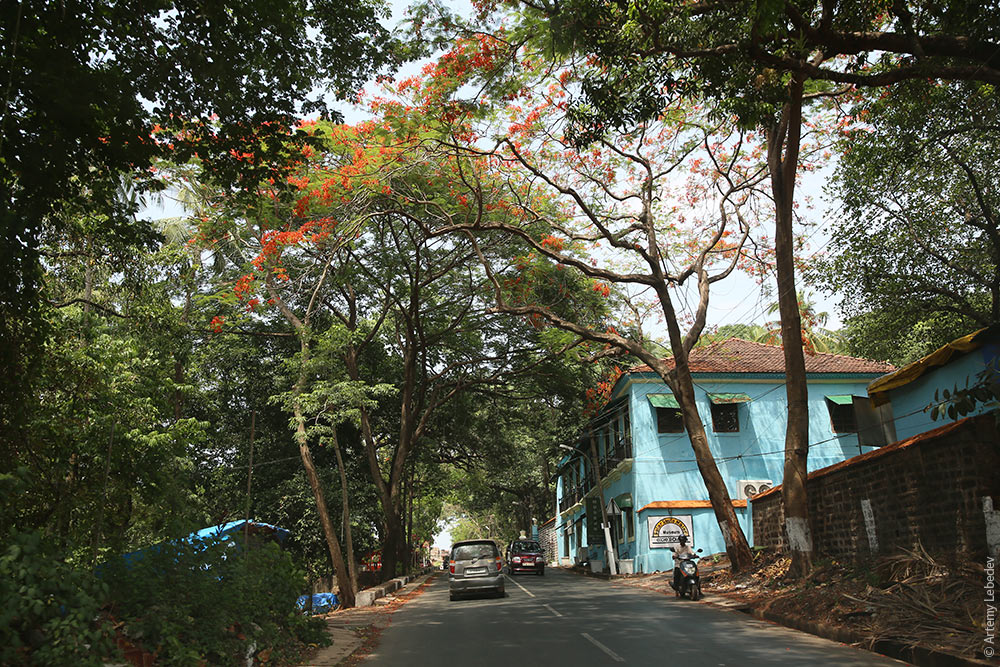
(665, 531)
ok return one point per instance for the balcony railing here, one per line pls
(613, 457)
(619, 452)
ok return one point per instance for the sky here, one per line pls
(443, 539)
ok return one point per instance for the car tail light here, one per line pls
(451, 567)
(498, 561)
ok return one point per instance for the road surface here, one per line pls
(567, 619)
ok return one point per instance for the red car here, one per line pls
(526, 556)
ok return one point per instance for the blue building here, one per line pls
(906, 393)
(646, 467)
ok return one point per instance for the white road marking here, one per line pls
(519, 585)
(614, 656)
(552, 610)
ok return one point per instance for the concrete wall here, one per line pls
(936, 488)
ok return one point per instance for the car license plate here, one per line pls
(528, 563)
(475, 570)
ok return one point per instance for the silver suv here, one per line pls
(475, 567)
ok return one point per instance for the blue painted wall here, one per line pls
(910, 400)
(664, 469)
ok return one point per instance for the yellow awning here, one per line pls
(878, 390)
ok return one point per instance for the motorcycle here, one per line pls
(690, 582)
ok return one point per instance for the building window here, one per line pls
(725, 417)
(628, 519)
(842, 417)
(669, 420)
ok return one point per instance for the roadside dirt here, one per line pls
(356, 631)
(909, 598)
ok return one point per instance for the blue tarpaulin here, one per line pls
(256, 528)
(321, 602)
(234, 528)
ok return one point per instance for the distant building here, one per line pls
(647, 469)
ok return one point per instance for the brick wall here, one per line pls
(928, 488)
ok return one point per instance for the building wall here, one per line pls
(663, 466)
(928, 489)
(910, 401)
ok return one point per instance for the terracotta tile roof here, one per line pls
(735, 355)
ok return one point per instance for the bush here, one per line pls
(49, 612)
(212, 601)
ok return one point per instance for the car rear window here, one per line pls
(475, 550)
(526, 546)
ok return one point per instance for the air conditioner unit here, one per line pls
(751, 487)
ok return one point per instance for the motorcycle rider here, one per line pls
(682, 552)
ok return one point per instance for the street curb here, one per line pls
(345, 634)
(367, 597)
(919, 656)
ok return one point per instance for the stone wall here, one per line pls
(547, 538)
(936, 488)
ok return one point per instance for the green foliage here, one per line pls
(95, 93)
(894, 335)
(98, 432)
(983, 394)
(914, 255)
(211, 600)
(743, 54)
(50, 611)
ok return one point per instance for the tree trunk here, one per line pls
(388, 492)
(408, 505)
(737, 546)
(346, 592)
(88, 284)
(352, 568)
(178, 397)
(681, 383)
(783, 154)
(391, 546)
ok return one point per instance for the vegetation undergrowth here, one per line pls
(214, 601)
(188, 603)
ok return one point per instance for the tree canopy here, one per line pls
(96, 93)
(916, 253)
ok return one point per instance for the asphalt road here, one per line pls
(566, 619)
